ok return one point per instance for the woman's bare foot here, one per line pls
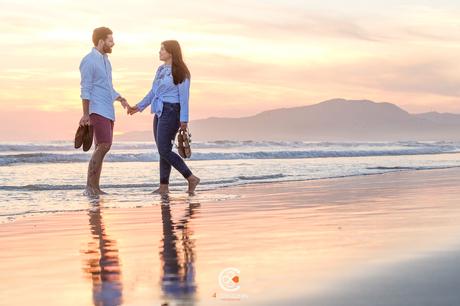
(164, 189)
(193, 181)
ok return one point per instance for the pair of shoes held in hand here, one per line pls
(183, 143)
(84, 136)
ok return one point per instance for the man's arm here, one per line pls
(86, 72)
(123, 101)
(184, 94)
(85, 118)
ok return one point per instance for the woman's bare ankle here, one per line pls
(193, 181)
(164, 188)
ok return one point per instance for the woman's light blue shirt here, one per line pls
(164, 90)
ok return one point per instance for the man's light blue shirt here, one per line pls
(96, 84)
(164, 90)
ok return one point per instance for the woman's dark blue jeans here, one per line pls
(165, 128)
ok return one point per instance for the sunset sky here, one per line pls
(245, 56)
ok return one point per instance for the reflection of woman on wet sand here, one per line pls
(177, 255)
(103, 266)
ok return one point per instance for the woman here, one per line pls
(169, 101)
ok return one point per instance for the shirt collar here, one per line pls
(95, 51)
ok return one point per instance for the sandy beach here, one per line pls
(387, 239)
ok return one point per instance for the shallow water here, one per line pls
(46, 178)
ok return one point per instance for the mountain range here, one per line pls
(331, 120)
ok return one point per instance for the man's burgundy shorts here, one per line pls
(102, 127)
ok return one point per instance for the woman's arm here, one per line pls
(148, 98)
(184, 94)
(146, 101)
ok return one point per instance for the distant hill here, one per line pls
(332, 120)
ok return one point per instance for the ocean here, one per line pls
(44, 178)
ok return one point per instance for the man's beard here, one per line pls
(106, 49)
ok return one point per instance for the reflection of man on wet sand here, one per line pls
(177, 255)
(103, 265)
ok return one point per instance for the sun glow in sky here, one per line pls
(245, 56)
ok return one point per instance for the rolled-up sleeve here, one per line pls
(115, 94)
(146, 101)
(86, 83)
(184, 94)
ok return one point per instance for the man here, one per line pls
(98, 95)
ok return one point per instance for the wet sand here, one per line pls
(327, 242)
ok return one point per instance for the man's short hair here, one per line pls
(100, 33)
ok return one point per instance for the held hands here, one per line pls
(132, 110)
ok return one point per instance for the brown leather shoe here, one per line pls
(88, 138)
(183, 144)
(79, 136)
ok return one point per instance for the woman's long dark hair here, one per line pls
(180, 71)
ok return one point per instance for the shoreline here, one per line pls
(219, 189)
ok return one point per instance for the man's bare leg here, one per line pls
(98, 175)
(90, 190)
(95, 168)
(164, 189)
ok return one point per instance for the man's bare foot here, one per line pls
(193, 181)
(100, 192)
(90, 192)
